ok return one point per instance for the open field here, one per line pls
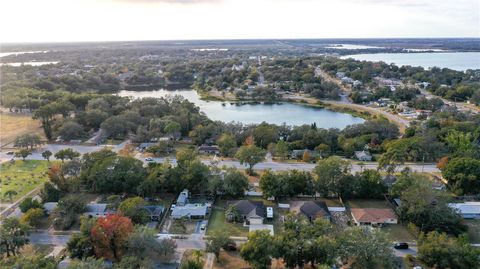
(22, 177)
(13, 125)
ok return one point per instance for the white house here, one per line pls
(468, 210)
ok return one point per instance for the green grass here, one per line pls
(398, 232)
(217, 223)
(22, 177)
(473, 231)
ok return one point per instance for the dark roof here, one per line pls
(250, 208)
(313, 209)
(154, 210)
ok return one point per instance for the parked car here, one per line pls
(401, 246)
(203, 227)
(149, 159)
(231, 246)
(10, 153)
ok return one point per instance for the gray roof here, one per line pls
(313, 209)
(250, 208)
(189, 210)
(154, 210)
(96, 208)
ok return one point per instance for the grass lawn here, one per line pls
(13, 125)
(22, 177)
(368, 203)
(473, 231)
(398, 233)
(217, 223)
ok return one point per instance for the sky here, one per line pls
(117, 20)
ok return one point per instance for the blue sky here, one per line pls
(99, 20)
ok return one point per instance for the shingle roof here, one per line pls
(250, 208)
(467, 207)
(313, 209)
(154, 210)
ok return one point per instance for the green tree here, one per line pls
(270, 185)
(217, 241)
(27, 140)
(227, 144)
(235, 183)
(10, 194)
(463, 175)
(47, 154)
(13, 236)
(258, 250)
(49, 193)
(366, 249)
(370, 185)
(250, 155)
(23, 153)
(45, 114)
(144, 244)
(71, 130)
(67, 153)
(332, 177)
(281, 149)
(29, 203)
(172, 129)
(88, 263)
(132, 208)
(33, 216)
(438, 250)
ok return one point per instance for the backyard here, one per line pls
(21, 177)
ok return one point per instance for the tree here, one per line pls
(49, 193)
(23, 153)
(47, 154)
(110, 236)
(463, 175)
(29, 203)
(13, 236)
(143, 243)
(45, 114)
(227, 144)
(88, 263)
(426, 207)
(80, 244)
(71, 130)
(67, 211)
(250, 155)
(258, 250)
(269, 183)
(306, 156)
(67, 153)
(368, 249)
(172, 129)
(33, 216)
(217, 241)
(10, 194)
(332, 176)
(27, 140)
(281, 149)
(132, 208)
(235, 183)
(370, 185)
(438, 250)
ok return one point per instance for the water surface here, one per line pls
(459, 61)
(291, 114)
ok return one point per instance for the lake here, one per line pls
(291, 114)
(459, 61)
(29, 63)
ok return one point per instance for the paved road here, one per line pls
(48, 238)
(412, 250)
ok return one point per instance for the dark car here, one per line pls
(10, 153)
(231, 246)
(401, 246)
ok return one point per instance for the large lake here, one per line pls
(460, 61)
(291, 114)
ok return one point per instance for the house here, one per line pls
(251, 212)
(155, 212)
(205, 149)
(298, 153)
(190, 211)
(96, 210)
(373, 216)
(340, 75)
(182, 198)
(49, 207)
(363, 156)
(468, 210)
(310, 209)
(144, 146)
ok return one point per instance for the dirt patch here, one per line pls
(13, 125)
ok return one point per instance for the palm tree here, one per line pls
(231, 213)
(10, 194)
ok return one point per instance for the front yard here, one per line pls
(217, 223)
